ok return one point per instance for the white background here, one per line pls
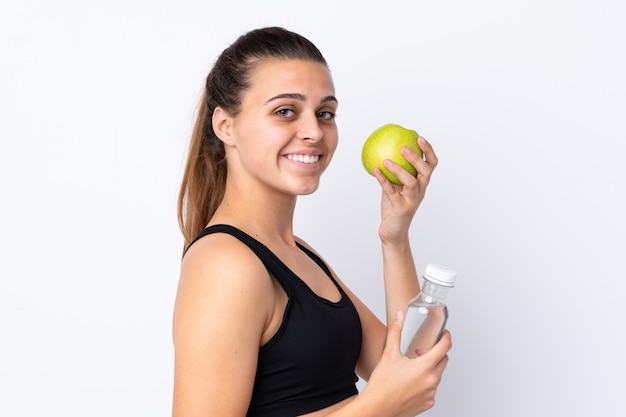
(524, 102)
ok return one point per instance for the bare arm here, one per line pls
(398, 206)
(222, 307)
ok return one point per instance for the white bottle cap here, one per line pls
(441, 275)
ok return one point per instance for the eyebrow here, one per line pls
(300, 97)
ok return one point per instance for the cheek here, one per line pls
(261, 152)
(332, 142)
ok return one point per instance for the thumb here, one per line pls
(394, 329)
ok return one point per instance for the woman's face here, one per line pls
(285, 135)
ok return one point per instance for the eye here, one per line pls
(285, 112)
(326, 115)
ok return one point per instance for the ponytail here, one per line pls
(204, 178)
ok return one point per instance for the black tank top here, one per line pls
(309, 364)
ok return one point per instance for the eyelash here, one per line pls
(326, 115)
(330, 114)
(282, 112)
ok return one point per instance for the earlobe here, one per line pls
(222, 123)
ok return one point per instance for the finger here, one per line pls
(406, 178)
(429, 154)
(426, 165)
(441, 348)
(385, 184)
(394, 329)
(411, 156)
(441, 366)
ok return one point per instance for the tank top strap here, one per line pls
(273, 264)
(322, 265)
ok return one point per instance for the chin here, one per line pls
(307, 189)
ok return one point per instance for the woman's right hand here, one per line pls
(407, 385)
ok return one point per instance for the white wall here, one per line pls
(524, 102)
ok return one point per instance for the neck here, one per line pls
(267, 216)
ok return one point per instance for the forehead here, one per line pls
(271, 77)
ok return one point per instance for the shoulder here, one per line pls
(220, 252)
(222, 261)
(222, 276)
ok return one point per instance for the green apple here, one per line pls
(385, 143)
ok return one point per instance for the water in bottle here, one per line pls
(427, 313)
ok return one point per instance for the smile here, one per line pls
(307, 159)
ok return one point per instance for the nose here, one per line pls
(309, 129)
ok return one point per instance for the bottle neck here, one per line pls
(436, 292)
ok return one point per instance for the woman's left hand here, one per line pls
(400, 202)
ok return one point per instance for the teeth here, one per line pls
(307, 159)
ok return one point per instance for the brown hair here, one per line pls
(204, 178)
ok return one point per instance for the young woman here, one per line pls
(262, 326)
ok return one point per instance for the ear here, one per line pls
(222, 123)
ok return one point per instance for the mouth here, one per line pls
(306, 159)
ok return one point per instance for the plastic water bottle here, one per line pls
(427, 313)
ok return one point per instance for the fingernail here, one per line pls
(387, 162)
(404, 150)
(421, 140)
